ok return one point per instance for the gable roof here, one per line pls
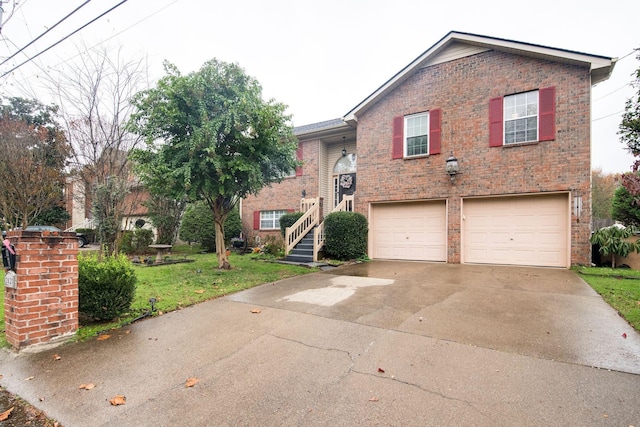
(458, 44)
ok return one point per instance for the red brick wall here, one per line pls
(285, 195)
(44, 306)
(462, 89)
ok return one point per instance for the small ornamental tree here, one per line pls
(212, 137)
(615, 240)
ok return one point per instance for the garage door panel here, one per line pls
(409, 231)
(526, 230)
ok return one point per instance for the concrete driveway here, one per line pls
(380, 343)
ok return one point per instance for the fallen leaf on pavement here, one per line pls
(256, 311)
(624, 335)
(57, 357)
(104, 337)
(118, 400)
(191, 382)
(29, 378)
(87, 386)
(381, 370)
(374, 399)
(199, 291)
(5, 414)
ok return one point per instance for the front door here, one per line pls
(344, 178)
(346, 185)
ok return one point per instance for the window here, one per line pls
(416, 141)
(523, 117)
(270, 220)
(416, 134)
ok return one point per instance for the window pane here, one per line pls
(417, 145)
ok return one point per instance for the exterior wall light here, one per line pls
(452, 167)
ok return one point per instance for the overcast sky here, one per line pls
(322, 58)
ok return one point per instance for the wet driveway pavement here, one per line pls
(379, 343)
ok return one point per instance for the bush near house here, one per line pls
(346, 235)
(287, 220)
(106, 286)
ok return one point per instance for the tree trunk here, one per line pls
(221, 250)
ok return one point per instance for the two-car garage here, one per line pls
(530, 230)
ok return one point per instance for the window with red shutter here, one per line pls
(256, 220)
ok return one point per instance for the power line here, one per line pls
(105, 40)
(41, 35)
(64, 38)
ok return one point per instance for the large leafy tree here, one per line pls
(34, 151)
(212, 137)
(629, 132)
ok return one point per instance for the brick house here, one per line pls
(478, 151)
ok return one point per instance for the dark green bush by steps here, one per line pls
(346, 235)
(106, 286)
(288, 219)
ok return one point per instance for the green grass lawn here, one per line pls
(175, 286)
(619, 287)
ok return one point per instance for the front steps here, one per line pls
(303, 251)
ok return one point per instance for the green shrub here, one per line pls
(106, 287)
(288, 219)
(198, 226)
(346, 235)
(136, 241)
(273, 245)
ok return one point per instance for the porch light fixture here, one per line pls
(452, 167)
(344, 147)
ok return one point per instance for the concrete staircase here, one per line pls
(303, 251)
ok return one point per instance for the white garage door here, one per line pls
(409, 231)
(526, 230)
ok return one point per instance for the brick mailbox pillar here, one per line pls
(43, 305)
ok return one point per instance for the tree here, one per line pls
(34, 152)
(165, 214)
(629, 131)
(602, 188)
(624, 207)
(95, 96)
(615, 240)
(213, 138)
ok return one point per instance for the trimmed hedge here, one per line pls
(106, 287)
(346, 235)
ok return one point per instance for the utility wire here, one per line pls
(63, 39)
(41, 35)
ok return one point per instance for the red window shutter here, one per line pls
(290, 210)
(299, 158)
(435, 133)
(547, 102)
(397, 151)
(256, 220)
(495, 122)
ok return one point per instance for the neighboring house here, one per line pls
(515, 118)
(78, 194)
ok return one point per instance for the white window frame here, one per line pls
(412, 129)
(270, 220)
(523, 115)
